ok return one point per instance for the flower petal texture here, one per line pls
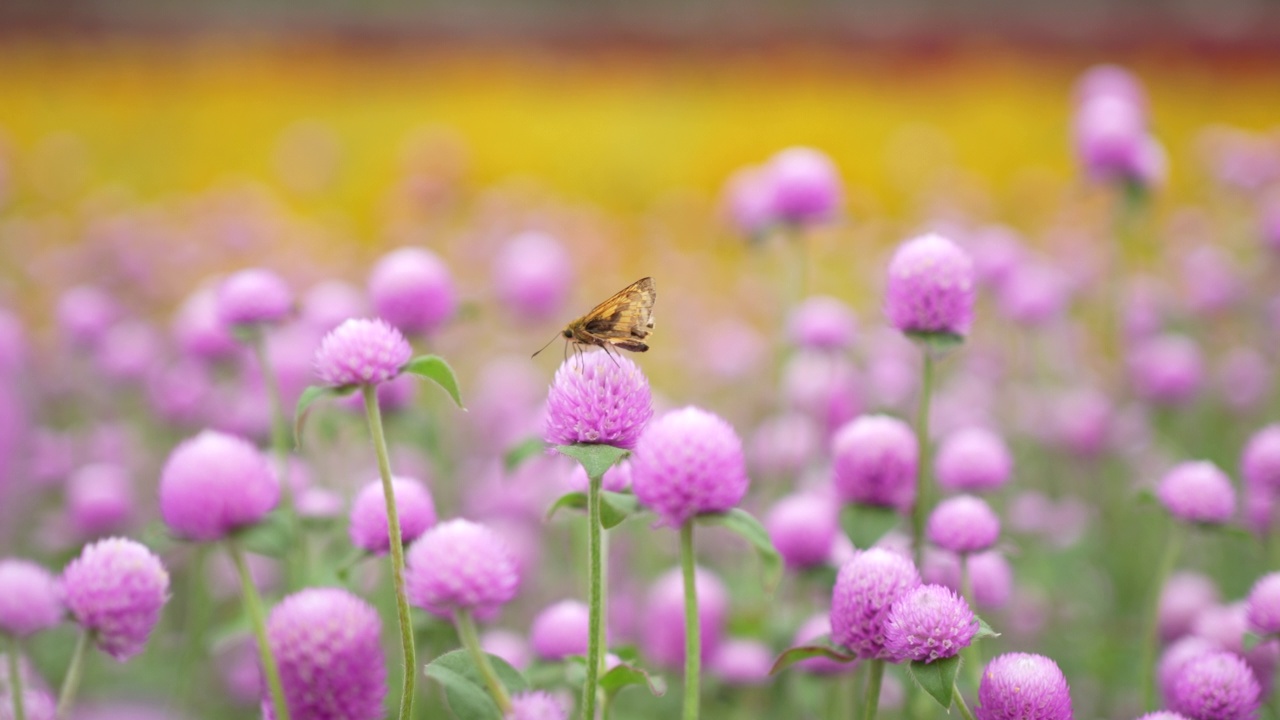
(597, 398)
(963, 524)
(1215, 686)
(931, 287)
(866, 589)
(413, 289)
(874, 462)
(1023, 686)
(361, 352)
(116, 588)
(1198, 492)
(460, 565)
(252, 296)
(689, 461)
(928, 623)
(414, 507)
(214, 483)
(30, 599)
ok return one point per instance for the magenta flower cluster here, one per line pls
(599, 399)
(361, 352)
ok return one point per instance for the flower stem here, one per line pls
(692, 628)
(75, 669)
(471, 641)
(922, 465)
(1172, 548)
(595, 611)
(961, 705)
(374, 415)
(875, 676)
(258, 619)
(15, 679)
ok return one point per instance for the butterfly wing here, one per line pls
(625, 319)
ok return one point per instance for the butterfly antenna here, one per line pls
(612, 355)
(544, 347)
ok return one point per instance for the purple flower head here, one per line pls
(361, 352)
(1215, 686)
(414, 507)
(687, 462)
(1211, 280)
(99, 498)
(748, 200)
(783, 445)
(597, 398)
(874, 462)
(413, 289)
(991, 579)
(930, 287)
(536, 705)
(663, 626)
(803, 527)
(742, 662)
(85, 313)
(1163, 715)
(507, 645)
(1198, 492)
(963, 524)
(326, 643)
(1227, 625)
(865, 590)
(1176, 655)
(460, 565)
(37, 704)
(30, 599)
(823, 323)
(1263, 605)
(199, 331)
(1244, 379)
(254, 296)
(1023, 686)
(1166, 369)
(328, 304)
(1260, 461)
(824, 386)
(808, 633)
(532, 275)
(973, 459)
(560, 630)
(806, 185)
(116, 589)
(1110, 81)
(1110, 133)
(616, 478)
(214, 483)
(928, 623)
(1259, 508)
(1184, 596)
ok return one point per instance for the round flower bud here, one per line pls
(1215, 686)
(1184, 596)
(214, 483)
(742, 662)
(930, 287)
(1260, 461)
(687, 462)
(412, 289)
(1176, 655)
(990, 578)
(1023, 686)
(973, 460)
(1227, 625)
(1110, 81)
(253, 296)
(326, 644)
(1263, 605)
(85, 313)
(822, 323)
(806, 185)
(865, 590)
(414, 508)
(361, 352)
(963, 524)
(803, 527)
(1110, 133)
(460, 565)
(30, 599)
(532, 275)
(809, 632)
(199, 331)
(1166, 369)
(116, 589)
(874, 462)
(928, 623)
(1197, 492)
(748, 201)
(99, 498)
(597, 398)
(536, 705)
(560, 630)
(663, 626)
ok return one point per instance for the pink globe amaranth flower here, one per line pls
(38, 704)
(928, 623)
(330, 303)
(460, 565)
(806, 185)
(865, 590)
(783, 445)
(809, 632)
(116, 589)
(1034, 295)
(1244, 379)
(973, 459)
(127, 351)
(616, 478)
(560, 630)
(963, 524)
(413, 289)
(824, 386)
(1023, 686)
(803, 528)
(663, 626)
(748, 201)
(99, 498)
(254, 296)
(532, 275)
(1175, 655)
(536, 705)
(214, 483)
(874, 462)
(1259, 508)
(930, 287)
(1166, 369)
(1211, 282)
(598, 399)
(1215, 686)
(85, 313)
(1260, 461)
(991, 579)
(1227, 625)
(1198, 492)
(1185, 595)
(823, 323)
(742, 662)
(325, 641)
(687, 462)
(199, 331)
(1109, 81)
(318, 503)
(30, 598)
(414, 508)
(1263, 605)
(1163, 715)
(361, 352)
(1109, 135)
(507, 645)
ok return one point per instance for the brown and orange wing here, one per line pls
(625, 319)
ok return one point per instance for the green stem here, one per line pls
(258, 619)
(374, 416)
(922, 466)
(692, 628)
(15, 679)
(963, 707)
(595, 612)
(875, 677)
(1172, 547)
(471, 641)
(75, 670)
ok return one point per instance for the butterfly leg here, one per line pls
(612, 354)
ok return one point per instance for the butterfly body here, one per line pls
(623, 321)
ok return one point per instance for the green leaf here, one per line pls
(984, 631)
(434, 368)
(1146, 496)
(595, 459)
(791, 656)
(614, 507)
(1250, 641)
(465, 690)
(866, 524)
(625, 674)
(521, 452)
(572, 500)
(741, 522)
(937, 678)
(309, 396)
(273, 536)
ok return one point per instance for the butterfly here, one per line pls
(623, 321)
